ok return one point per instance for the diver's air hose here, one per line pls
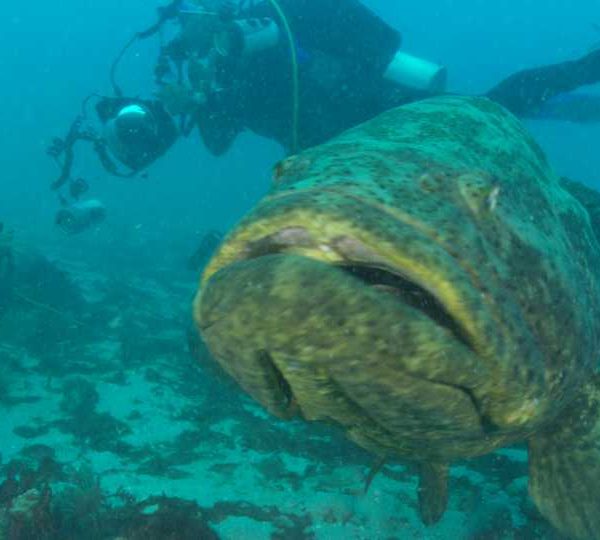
(295, 86)
(115, 64)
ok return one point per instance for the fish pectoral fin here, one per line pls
(564, 467)
(375, 468)
(432, 491)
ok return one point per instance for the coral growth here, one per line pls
(51, 502)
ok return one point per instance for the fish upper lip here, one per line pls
(358, 259)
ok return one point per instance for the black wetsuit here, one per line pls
(343, 50)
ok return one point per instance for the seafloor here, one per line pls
(116, 424)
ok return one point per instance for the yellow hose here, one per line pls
(294, 59)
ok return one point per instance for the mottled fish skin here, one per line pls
(454, 195)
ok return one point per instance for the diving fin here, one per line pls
(432, 491)
(564, 467)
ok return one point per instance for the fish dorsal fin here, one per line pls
(432, 491)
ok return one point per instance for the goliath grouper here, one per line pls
(426, 282)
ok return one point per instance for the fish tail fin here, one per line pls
(432, 491)
(564, 467)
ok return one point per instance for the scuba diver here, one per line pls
(295, 71)
(302, 71)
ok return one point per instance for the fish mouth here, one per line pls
(409, 293)
(316, 322)
(355, 258)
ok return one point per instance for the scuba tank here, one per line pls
(245, 37)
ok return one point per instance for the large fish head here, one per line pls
(407, 281)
